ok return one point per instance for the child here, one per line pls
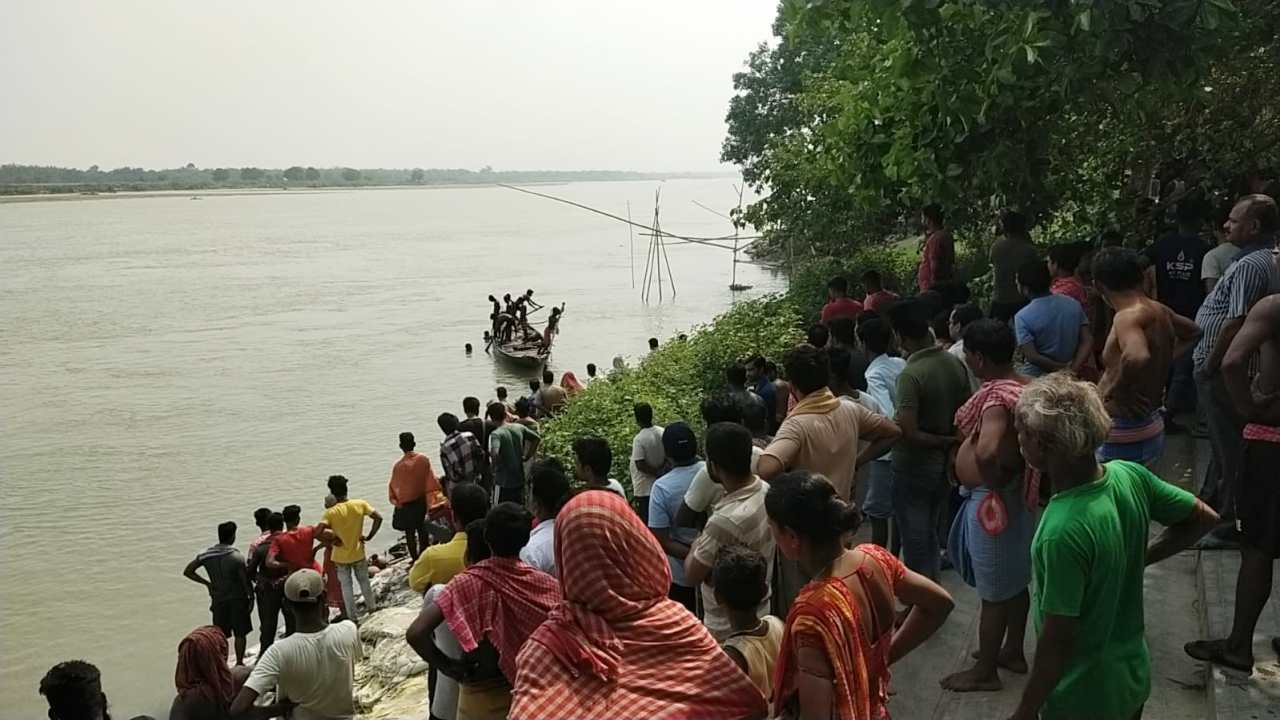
(740, 581)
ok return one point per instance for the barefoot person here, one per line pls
(990, 542)
(1258, 500)
(1088, 557)
(346, 519)
(413, 489)
(230, 592)
(840, 638)
(1145, 338)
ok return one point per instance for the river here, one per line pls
(171, 363)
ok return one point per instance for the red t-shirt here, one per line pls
(293, 548)
(841, 307)
(877, 301)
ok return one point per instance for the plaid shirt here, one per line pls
(461, 457)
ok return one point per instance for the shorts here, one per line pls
(1258, 496)
(1140, 440)
(232, 616)
(410, 516)
(879, 501)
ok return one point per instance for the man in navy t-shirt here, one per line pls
(1176, 260)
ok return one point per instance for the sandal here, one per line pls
(1212, 651)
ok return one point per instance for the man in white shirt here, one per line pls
(648, 459)
(548, 491)
(311, 671)
(1216, 262)
(882, 382)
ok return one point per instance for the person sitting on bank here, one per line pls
(73, 690)
(206, 686)
(230, 592)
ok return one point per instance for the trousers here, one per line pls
(1225, 433)
(348, 576)
(270, 605)
(920, 497)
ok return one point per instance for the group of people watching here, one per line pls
(1013, 445)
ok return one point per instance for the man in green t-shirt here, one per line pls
(1088, 557)
(511, 444)
(931, 387)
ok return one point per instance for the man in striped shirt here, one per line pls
(461, 456)
(1252, 227)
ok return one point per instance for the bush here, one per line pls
(673, 379)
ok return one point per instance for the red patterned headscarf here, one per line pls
(616, 646)
(202, 667)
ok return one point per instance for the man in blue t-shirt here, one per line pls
(1052, 330)
(668, 491)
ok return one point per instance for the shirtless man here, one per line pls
(1145, 337)
(1258, 492)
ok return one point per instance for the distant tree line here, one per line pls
(29, 179)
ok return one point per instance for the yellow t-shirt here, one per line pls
(346, 519)
(438, 564)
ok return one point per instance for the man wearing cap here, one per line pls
(312, 670)
(412, 483)
(665, 498)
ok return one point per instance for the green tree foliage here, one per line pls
(417, 176)
(673, 379)
(865, 109)
(295, 173)
(350, 175)
(312, 175)
(252, 174)
(221, 175)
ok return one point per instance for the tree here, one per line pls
(221, 175)
(295, 173)
(93, 168)
(312, 175)
(417, 176)
(252, 174)
(867, 109)
(350, 174)
(191, 166)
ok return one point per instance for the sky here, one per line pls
(545, 84)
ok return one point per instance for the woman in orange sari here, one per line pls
(840, 639)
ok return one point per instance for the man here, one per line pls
(1258, 500)
(933, 384)
(1089, 554)
(1145, 338)
(268, 583)
(312, 671)
(962, 316)
(346, 519)
(882, 387)
(439, 563)
(1052, 330)
(653, 344)
(1217, 260)
(681, 448)
(461, 456)
(1063, 259)
(839, 304)
(501, 393)
(535, 397)
(592, 461)
(548, 492)
(1252, 227)
(738, 519)
(762, 386)
(591, 373)
(73, 690)
(412, 490)
(294, 550)
(822, 432)
(736, 378)
(479, 429)
(877, 299)
(1177, 261)
(551, 397)
(230, 592)
(648, 458)
(938, 253)
(510, 446)
(1010, 252)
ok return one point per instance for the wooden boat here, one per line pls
(527, 354)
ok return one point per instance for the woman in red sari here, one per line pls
(840, 639)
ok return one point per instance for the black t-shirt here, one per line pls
(1177, 259)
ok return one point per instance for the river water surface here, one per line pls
(168, 364)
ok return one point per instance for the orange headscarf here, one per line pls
(570, 383)
(202, 667)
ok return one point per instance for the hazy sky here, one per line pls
(541, 84)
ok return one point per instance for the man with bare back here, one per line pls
(1145, 337)
(1258, 485)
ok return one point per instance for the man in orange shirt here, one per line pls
(412, 484)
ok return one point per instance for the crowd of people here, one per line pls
(1014, 445)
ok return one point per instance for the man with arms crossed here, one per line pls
(1145, 338)
(1258, 492)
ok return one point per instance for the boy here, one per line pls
(741, 582)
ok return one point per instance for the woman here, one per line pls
(205, 685)
(990, 543)
(840, 638)
(616, 646)
(570, 383)
(332, 588)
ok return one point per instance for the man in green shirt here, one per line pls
(932, 386)
(511, 444)
(1088, 557)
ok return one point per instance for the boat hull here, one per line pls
(521, 356)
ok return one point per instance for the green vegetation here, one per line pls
(35, 179)
(864, 110)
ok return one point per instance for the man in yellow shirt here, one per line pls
(346, 519)
(439, 563)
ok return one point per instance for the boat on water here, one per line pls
(529, 354)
